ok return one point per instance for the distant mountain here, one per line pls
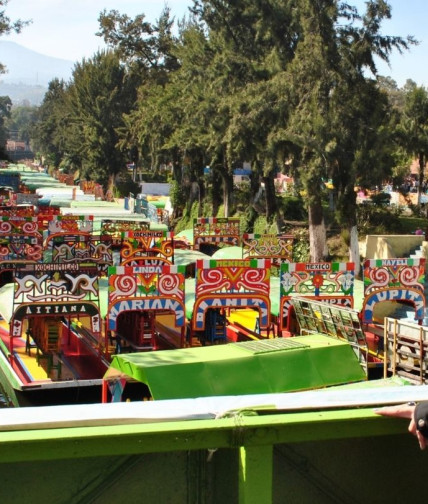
(23, 94)
(29, 73)
(29, 67)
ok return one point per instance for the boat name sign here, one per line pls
(167, 304)
(34, 309)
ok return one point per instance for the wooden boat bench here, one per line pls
(46, 342)
(50, 365)
(215, 329)
(29, 342)
(124, 345)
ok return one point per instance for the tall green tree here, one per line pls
(361, 152)
(22, 121)
(147, 52)
(5, 107)
(6, 26)
(394, 93)
(250, 43)
(337, 47)
(50, 132)
(414, 129)
(96, 101)
(146, 48)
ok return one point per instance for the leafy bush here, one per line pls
(261, 226)
(301, 251)
(125, 187)
(293, 208)
(176, 194)
(381, 199)
(377, 220)
(418, 210)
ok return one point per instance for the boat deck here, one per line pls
(74, 362)
(26, 359)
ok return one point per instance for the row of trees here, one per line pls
(283, 84)
(7, 26)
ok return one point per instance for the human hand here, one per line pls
(404, 411)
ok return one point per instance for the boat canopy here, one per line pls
(251, 367)
(230, 252)
(187, 234)
(184, 257)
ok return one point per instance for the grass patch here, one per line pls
(411, 224)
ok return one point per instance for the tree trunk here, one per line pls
(111, 183)
(216, 192)
(347, 215)
(354, 249)
(317, 233)
(421, 158)
(226, 200)
(227, 191)
(196, 195)
(270, 196)
(177, 172)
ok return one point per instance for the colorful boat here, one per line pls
(126, 279)
(209, 233)
(52, 347)
(318, 297)
(252, 367)
(55, 347)
(137, 297)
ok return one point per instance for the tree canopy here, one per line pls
(285, 85)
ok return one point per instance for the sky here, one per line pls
(66, 29)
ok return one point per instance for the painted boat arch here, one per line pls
(235, 283)
(147, 247)
(158, 303)
(146, 289)
(408, 295)
(399, 279)
(114, 228)
(55, 290)
(20, 241)
(80, 247)
(277, 248)
(71, 224)
(63, 235)
(59, 309)
(215, 230)
(331, 283)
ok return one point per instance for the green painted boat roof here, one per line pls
(184, 257)
(230, 252)
(186, 233)
(33, 185)
(96, 204)
(158, 203)
(256, 367)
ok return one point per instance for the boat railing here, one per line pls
(91, 341)
(406, 350)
